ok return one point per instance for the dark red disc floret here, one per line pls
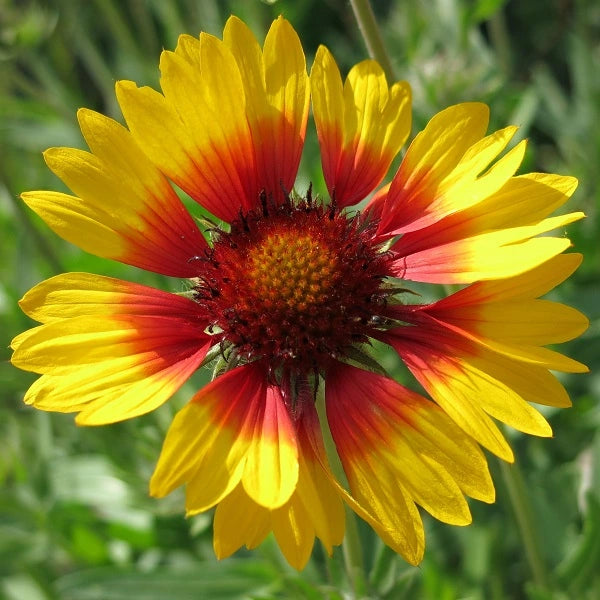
(295, 285)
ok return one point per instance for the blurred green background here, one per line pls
(75, 519)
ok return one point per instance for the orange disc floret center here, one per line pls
(292, 270)
(295, 285)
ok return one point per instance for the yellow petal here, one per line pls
(527, 322)
(294, 532)
(522, 200)
(110, 362)
(460, 401)
(159, 130)
(444, 141)
(113, 390)
(450, 384)
(411, 207)
(390, 511)
(287, 87)
(431, 157)
(466, 381)
(75, 220)
(499, 400)
(211, 435)
(528, 285)
(126, 210)
(375, 434)
(235, 118)
(361, 125)
(322, 502)
(532, 383)
(78, 294)
(492, 255)
(449, 446)
(328, 108)
(397, 523)
(541, 357)
(271, 470)
(239, 521)
(110, 349)
(217, 472)
(249, 58)
(188, 48)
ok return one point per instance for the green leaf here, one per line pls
(577, 571)
(230, 579)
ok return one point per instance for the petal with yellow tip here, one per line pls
(361, 124)
(108, 349)
(124, 208)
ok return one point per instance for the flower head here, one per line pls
(287, 290)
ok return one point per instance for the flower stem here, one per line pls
(353, 556)
(372, 36)
(513, 480)
(45, 249)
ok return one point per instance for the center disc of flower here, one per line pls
(295, 285)
(291, 271)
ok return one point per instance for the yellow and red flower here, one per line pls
(286, 291)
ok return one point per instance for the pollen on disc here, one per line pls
(295, 285)
(290, 269)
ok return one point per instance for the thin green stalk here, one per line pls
(95, 63)
(353, 556)
(112, 16)
(372, 36)
(501, 42)
(513, 480)
(45, 249)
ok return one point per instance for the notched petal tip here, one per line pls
(361, 124)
